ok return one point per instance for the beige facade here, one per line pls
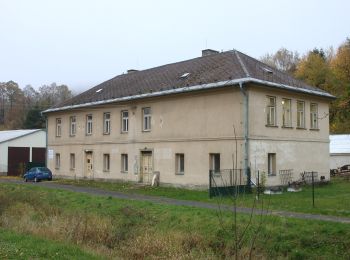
(186, 130)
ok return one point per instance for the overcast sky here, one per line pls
(82, 42)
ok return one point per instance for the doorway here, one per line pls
(88, 173)
(146, 173)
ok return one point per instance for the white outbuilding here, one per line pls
(339, 149)
(20, 147)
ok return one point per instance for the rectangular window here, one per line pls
(72, 161)
(106, 162)
(214, 163)
(89, 124)
(180, 163)
(300, 114)
(271, 164)
(313, 116)
(57, 161)
(287, 114)
(146, 118)
(106, 123)
(58, 127)
(73, 126)
(271, 111)
(125, 121)
(124, 164)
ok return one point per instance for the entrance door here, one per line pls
(146, 167)
(88, 165)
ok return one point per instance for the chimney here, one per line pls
(131, 71)
(208, 52)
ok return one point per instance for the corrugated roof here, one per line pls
(13, 134)
(215, 68)
(339, 144)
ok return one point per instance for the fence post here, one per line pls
(313, 189)
(249, 187)
(258, 184)
(210, 184)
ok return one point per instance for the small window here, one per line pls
(313, 116)
(146, 118)
(271, 164)
(300, 114)
(180, 163)
(125, 121)
(106, 162)
(58, 127)
(89, 124)
(287, 115)
(124, 163)
(214, 163)
(271, 111)
(72, 161)
(57, 161)
(106, 123)
(73, 126)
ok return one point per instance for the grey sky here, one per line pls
(82, 43)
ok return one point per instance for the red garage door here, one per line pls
(18, 157)
(38, 155)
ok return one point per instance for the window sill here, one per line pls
(57, 168)
(314, 129)
(71, 135)
(276, 126)
(146, 130)
(106, 133)
(179, 173)
(88, 134)
(105, 170)
(124, 172)
(58, 136)
(72, 169)
(287, 127)
(301, 128)
(272, 175)
(124, 132)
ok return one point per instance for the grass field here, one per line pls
(330, 199)
(81, 226)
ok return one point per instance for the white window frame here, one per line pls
(72, 161)
(124, 163)
(106, 123)
(147, 117)
(271, 164)
(180, 164)
(89, 124)
(301, 114)
(57, 160)
(271, 111)
(286, 112)
(313, 116)
(215, 162)
(73, 125)
(58, 127)
(106, 162)
(125, 121)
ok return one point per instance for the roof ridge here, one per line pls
(244, 68)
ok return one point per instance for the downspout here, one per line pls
(245, 128)
(46, 131)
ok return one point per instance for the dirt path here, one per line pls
(169, 201)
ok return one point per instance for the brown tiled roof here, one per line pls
(225, 66)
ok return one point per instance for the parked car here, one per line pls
(37, 174)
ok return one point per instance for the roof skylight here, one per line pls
(99, 90)
(267, 70)
(185, 75)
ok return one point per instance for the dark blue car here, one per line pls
(37, 174)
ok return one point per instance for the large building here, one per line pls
(186, 118)
(20, 147)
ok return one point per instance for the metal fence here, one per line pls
(228, 182)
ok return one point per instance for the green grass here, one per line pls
(330, 199)
(22, 246)
(114, 228)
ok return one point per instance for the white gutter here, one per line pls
(193, 88)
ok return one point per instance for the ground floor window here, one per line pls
(106, 162)
(57, 161)
(124, 163)
(72, 161)
(180, 163)
(271, 163)
(214, 162)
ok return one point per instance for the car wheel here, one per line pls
(25, 179)
(36, 179)
(49, 179)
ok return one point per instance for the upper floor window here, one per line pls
(89, 124)
(180, 163)
(125, 121)
(287, 114)
(57, 161)
(73, 126)
(146, 118)
(214, 162)
(300, 114)
(313, 116)
(58, 127)
(271, 111)
(106, 123)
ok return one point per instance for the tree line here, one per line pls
(21, 109)
(327, 69)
